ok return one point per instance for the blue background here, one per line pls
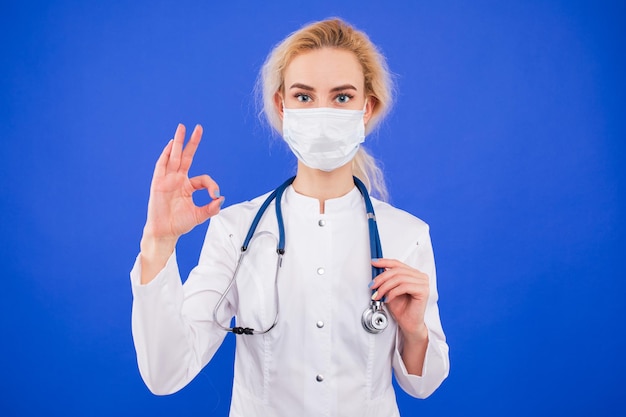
(507, 138)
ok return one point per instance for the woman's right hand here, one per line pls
(171, 210)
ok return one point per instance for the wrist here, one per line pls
(417, 335)
(153, 248)
(154, 255)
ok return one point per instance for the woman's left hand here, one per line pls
(406, 290)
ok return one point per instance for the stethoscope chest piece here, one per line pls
(374, 318)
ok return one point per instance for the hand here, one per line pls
(171, 210)
(406, 292)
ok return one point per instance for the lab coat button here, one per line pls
(319, 324)
(319, 378)
(321, 223)
(320, 271)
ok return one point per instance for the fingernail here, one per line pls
(222, 202)
(374, 295)
(370, 284)
(217, 193)
(375, 259)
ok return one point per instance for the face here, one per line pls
(324, 77)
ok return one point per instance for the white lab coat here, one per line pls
(318, 360)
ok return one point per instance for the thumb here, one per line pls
(209, 210)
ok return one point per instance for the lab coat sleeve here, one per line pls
(173, 329)
(436, 363)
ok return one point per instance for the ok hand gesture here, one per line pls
(171, 210)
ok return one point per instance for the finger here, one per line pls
(393, 265)
(389, 273)
(161, 164)
(190, 149)
(416, 291)
(177, 148)
(395, 277)
(384, 284)
(387, 263)
(206, 182)
(209, 210)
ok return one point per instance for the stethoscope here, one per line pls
(374, 319)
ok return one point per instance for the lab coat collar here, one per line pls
(309, 206)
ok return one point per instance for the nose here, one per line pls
(326, 103)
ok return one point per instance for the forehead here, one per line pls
(326, 67)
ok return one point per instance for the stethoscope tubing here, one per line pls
(374, 318)
(248, 330)
(276, 194)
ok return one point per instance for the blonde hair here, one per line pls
(333, 33)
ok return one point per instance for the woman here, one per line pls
(323, 87)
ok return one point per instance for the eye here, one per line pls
(343, 98)
(303, 98)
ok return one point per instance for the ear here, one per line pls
(278, 104)
(369, 108)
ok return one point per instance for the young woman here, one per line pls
(322, 317)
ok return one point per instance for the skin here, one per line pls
(171, 210)
(329, 78)
(320, 78)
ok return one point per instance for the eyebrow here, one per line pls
(338, 88)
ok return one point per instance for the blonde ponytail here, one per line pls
(366, 168)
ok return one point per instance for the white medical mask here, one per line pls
(323, 138)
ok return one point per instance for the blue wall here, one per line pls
(508, 138)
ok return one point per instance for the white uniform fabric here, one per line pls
(318, 360)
